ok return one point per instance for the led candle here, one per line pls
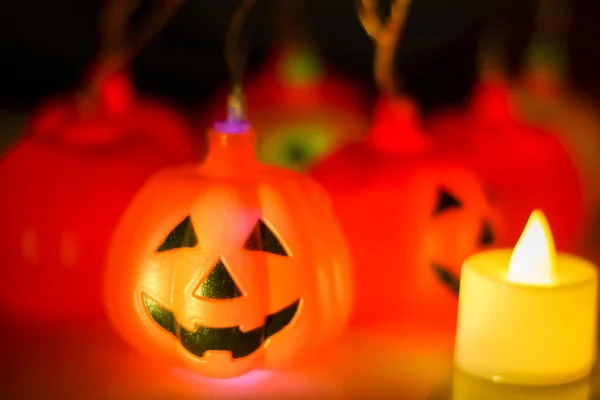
(527, 316)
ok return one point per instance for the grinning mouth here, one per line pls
(446, 277)
(239, 344)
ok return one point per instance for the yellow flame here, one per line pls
(534, 257)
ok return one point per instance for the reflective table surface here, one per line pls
(90, 361)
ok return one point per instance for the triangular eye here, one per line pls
(486, 236)
(219, 284)
(445, 201)
(182, 236)
(263, 239)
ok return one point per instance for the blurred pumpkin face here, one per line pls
(462, 223)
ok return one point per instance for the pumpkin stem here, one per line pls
(396, 127)
(385, 35)
(231, 150)
(492, 100)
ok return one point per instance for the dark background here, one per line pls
(45, 45)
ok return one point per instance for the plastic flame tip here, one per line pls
(533, 259)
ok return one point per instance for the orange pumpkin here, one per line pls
(411, 216)
(229, 266)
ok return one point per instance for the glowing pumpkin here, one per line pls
(525, 167)
(301, 111)
(64, 186)
(229, 266)
(411, 216)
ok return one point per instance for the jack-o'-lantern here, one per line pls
(524, 166)
(229, 266)
(64, 186)
(411, 216)
(301, 111)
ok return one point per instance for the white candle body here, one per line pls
(526, 334)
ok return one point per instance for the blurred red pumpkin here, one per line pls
(65, 184)
(301, 110)
(411, 215)
(524, 166)
(545, 99)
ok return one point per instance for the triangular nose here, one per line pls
(219, 284)
(445, 201)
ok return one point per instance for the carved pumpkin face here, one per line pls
(411, 216)
(462, 222)
(225, 275)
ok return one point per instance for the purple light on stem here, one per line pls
(232, 127)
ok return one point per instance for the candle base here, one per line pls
(522, 379)
(469, 387)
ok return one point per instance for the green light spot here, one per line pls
(301, 68)
(296, 146)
